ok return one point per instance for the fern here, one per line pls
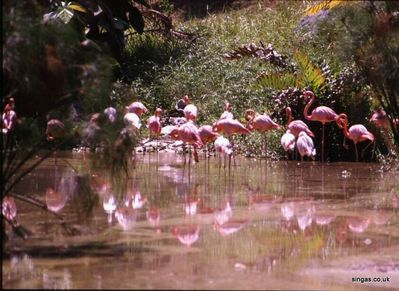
(310, 75)
(277, 81)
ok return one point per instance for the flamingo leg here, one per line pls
(357, 155)
(373, 151)
(322, 144)
(265, 145)
(362, 154)
(232, 146)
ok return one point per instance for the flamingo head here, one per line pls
(250, 114)
(308, 94)
(341, 120)
(186, 99)
(158, 112)
(174, 134)
(228, 107)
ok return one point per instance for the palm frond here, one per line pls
(276, 81)
(311, 75)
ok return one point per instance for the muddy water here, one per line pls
(274, 225)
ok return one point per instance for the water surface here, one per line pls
(290, 225)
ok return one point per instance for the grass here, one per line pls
(165, 70)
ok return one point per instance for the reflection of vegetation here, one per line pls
(257, 247)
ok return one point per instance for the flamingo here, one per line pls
(223, 147)
(357, 133)
(154, 123)
(296, 126)
(188, 134)
(260, 122)
(380, 120)
(132, 120)
(190, 110)
(137, 108)
(110, 112)
(54, 129)
(227, 113)
(207, 135)
(322, 114)
(305, 145)
(288, 141)
(230, 127)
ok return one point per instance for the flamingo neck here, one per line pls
(307, 107)
(289, 116)
(345, 128)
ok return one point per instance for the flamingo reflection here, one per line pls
(358, 224)
(191, 206)
(153, 215)
(186, 234)
(126, 217)
(224, 214)
(109, 206)
(230, 227)
(9, 209)
(324, 219)
(55, 200)
(136, 201)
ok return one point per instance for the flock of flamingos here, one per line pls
(297, 132)
(297, 136)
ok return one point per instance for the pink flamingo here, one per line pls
(262, 123)
(305, 145)
(357, 133)
(207, 135)
(380, 120)
(188, 134)
(190, 111)
(296, 126)
(154, 124)
(132, 120)
(230, 127)
(288, 141)
(227, 113)
(322, 114)
(54, 129)
(137, 108)
(223, 147)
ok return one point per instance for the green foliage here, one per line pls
(366, 36)
(311, 76)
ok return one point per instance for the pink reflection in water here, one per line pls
(109, 206)
(287, 210)
(191, 206)
(136, 201)
(262, 202)
(230, 227)
(358, 224)
(9, 209)
(224, 214)
(153, 215)
(55, 200)
(186, 234)
(126, 217)
(324, 219)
